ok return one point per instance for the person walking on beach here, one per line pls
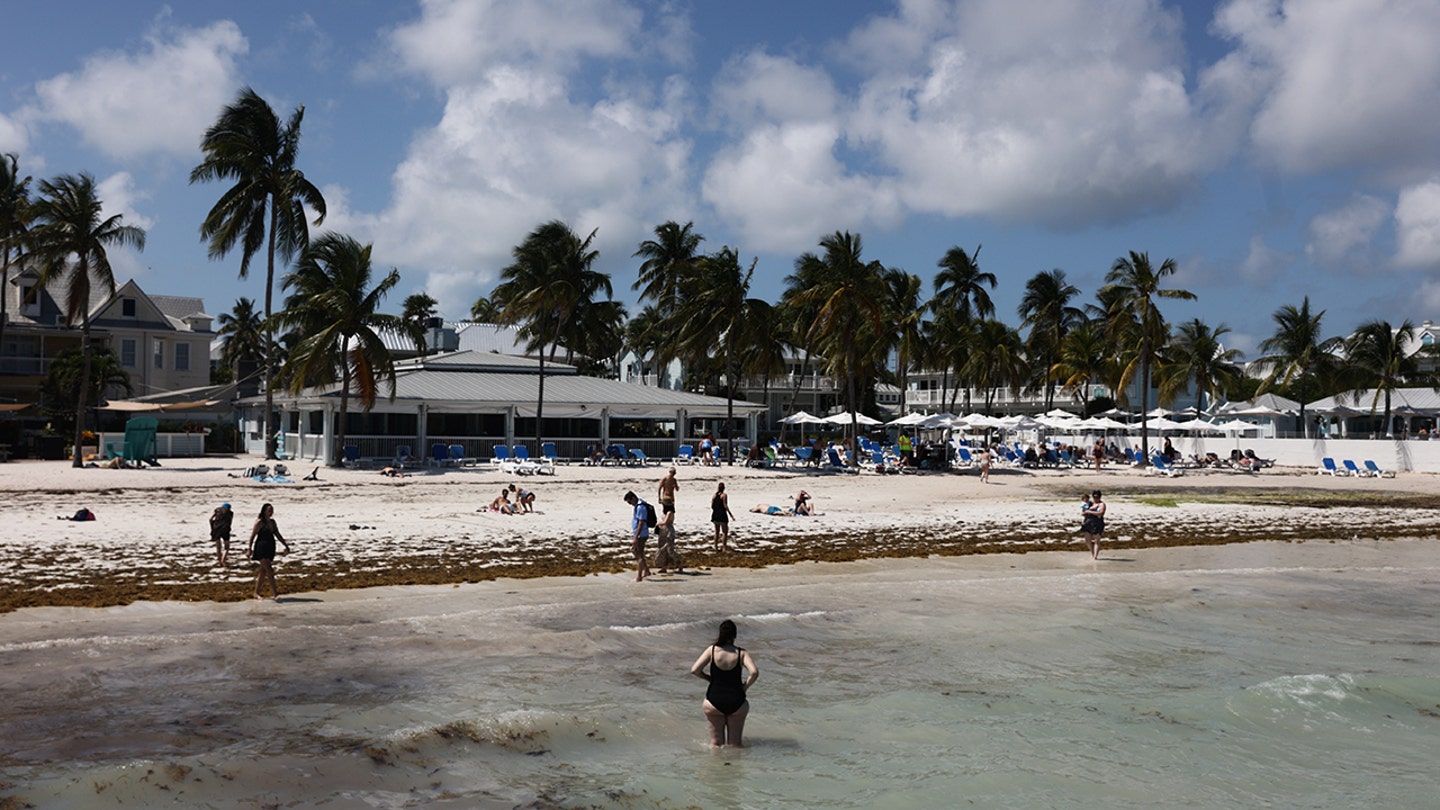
(725, 703)
(666, 557)
(985, 466)
(666, 492)
(262, 549)
(1098, 452)
(220, 522)
(639, 533)
(720, 515)
(1094, 524)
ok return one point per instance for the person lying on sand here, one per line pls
(393, 472)
(767, 509)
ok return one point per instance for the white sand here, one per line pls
(152, 526)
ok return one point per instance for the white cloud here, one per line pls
(460, 41)
(758, 87)
(1342, 238)
(512, 152)
(13, 137)
(1263, 263)
(158, 100)
(118, 196)
(1073, 116)
(1417, 226)
(1337, 83)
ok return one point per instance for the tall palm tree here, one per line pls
(907, 314)
(1297, 353)
(669, 260)
(996, 360)
(1196, 357)
(1135, 284)
(248, 145)
(1381, 361)
(62, 380)
(416, 311)
(595, 337)
(716, 311)
(70, 245)
(848, 296)
(15, 214)
(549, 281)
(484, 311)
(1046, 311)
(1085, 356)
(333, 305)
(244, 336)
(961, 299)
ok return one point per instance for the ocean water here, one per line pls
(1264, 675)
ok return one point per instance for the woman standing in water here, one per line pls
(1094, 524)
(725, 704)
(262, 549)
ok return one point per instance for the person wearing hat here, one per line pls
(220, 521)
(803, 506)
(639, 533)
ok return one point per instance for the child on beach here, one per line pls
(524, 499)
(220, 523)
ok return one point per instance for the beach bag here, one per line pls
(650, 518)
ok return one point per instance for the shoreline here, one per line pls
(355, 529)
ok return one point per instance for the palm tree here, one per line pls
(1135, 283)
(550, 280)
(15, 216)
(848, 296)
(244, 335)
(908, 316)
(1046, 311)
(1381, 361)
(248, 145)
(70, 246)
(62, 380)
(1085, 356)
(338, 313)
(669, 260)
(416, 311)
(716, 311)
(997, 358)
(595, 337)
(484, 311)
(1296, 353)
(1196, 357)
(960, 299)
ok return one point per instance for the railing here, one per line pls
(24, 365)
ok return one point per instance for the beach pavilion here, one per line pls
(478, 400)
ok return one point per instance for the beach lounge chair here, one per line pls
(403, 457)
(457, 456)
(352, 456)
(836, 464)
(548, 452)
(1374, 469)
(1354, 469)
(500, 456)
(529, 466)
(773, 456)
(1327, 467)
(685, 455)
(964, 458)
(802, 455)
(1160, 464)
(640, 458)
(439, 455)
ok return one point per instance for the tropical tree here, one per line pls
(243, 333)
(907, 314)
(63, 381)
(996, 359)
(1381, 360)
(669, 260)
(550, 280)
(70, 244)
(15, 214)
(848, 296)
(1196, 358)
(1135, 283)
(484, 311)
(1085, 356)
(1046, 311)
(595, 337)
(336, 310)
(248, 145)
(1297, 353)
(960, 299)
(416, 312)
(715, 311)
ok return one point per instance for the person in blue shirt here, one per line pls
(639, 533)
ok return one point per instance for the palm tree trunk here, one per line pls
(795, 395)
(79, 459)
(339, 457)
(1144, 407)
(540, 402)
(269, 374)
(4, 285)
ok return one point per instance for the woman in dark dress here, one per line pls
(262, 549)
(720, 515)
(725, 702)
(1093, 525)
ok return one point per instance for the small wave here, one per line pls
(1354, 702)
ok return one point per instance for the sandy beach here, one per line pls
(356, 528)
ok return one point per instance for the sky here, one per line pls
(1273, 148)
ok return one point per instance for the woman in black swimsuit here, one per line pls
(262, 549)
(725, 704)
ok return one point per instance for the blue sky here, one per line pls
(1273, 148)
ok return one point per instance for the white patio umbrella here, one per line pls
(1161, 412)
(1158, 424)
(909, 419)
(1236, 426)
(843, 418)
(1101, 423)
(1018, 422)
(941, 421)
(801, 417)
(1116, 412)
(980, 420)
(1259, 410)
(1057, 413)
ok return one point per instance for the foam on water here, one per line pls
(1305, 679)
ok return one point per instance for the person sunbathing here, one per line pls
(502, 504)
(388, 472)
(767, 509)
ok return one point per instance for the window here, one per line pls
(127, 353)
(182, 356)
(127, 307)
(159, 353)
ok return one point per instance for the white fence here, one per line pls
(1390, 454)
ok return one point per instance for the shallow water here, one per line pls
(1270, 674)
